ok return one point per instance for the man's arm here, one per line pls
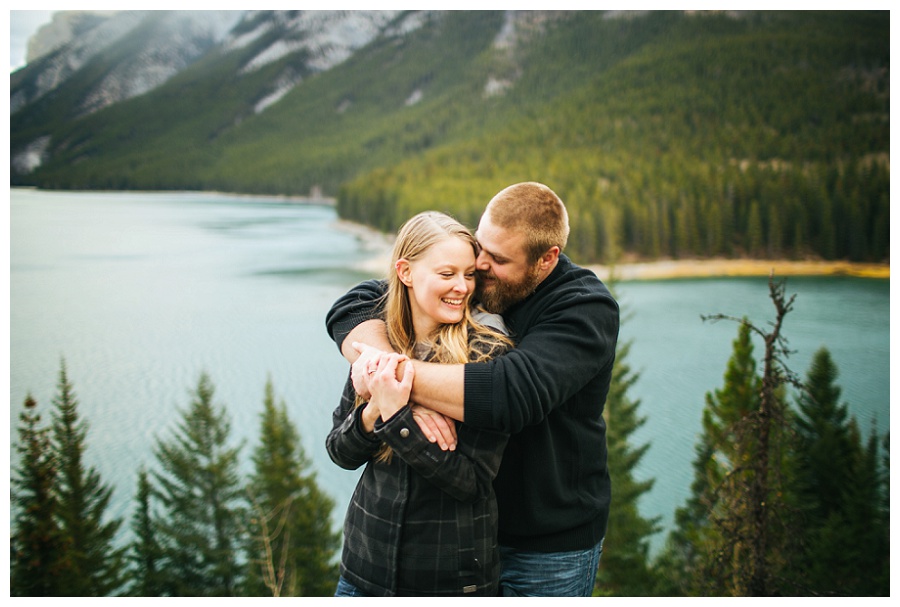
(369, 332)
(358, 305)
(440, 388)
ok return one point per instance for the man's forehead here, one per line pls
(499, 242)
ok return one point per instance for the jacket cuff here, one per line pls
(356, 436)
(401, 432)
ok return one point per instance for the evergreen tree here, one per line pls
(200, 493)
(35, 541)
(89, 563)
(695, 560)
(735, 520)
(291, 541)
(624, 566)
(755, 239)
(823, 431)
(869, 551)
(754, 534)
(146, 554)
(841, 546)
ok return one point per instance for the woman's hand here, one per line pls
(362, 369)
(389, 392)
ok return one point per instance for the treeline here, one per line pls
(198, 528)
(742, 209)
(788, 498)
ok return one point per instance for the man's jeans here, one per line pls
(549, 573)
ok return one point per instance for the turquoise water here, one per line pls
(142, 292)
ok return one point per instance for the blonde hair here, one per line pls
(461, 342)
(534, 210)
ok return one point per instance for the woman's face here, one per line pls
(440, 283)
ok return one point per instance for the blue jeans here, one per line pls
(345, 588)
(549, 573)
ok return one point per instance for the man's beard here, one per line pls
(499, 295)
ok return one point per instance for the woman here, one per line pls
(422, 521)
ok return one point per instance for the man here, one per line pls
(553, 487)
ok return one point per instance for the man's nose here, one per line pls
(481, 262)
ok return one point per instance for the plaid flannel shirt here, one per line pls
(424, 523)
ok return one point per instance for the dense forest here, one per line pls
(667, 134)
(789, 498)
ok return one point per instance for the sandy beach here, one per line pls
(379, 244)
(709, 268)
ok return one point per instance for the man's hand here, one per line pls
(436, 427)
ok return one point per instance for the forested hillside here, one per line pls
(680, 137)
(761, 134)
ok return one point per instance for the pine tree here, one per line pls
(291, 540)
(753, 493)
(89, 563)
(35, 541)
(755, 238)
(841, 545)
(624, 566)
(145, 554)
(734, 525)
(200, 493)
(696, 560)
(868, 571)
(822, 432)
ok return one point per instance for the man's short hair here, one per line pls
(536, 211)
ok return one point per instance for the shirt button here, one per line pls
(404, 432)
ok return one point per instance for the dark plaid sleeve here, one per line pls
(466, 473)
(348, 444)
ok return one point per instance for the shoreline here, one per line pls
(731, 268)
(378, 245)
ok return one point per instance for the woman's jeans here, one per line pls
(549, 573)
(345, 588)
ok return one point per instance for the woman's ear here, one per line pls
(404, 272)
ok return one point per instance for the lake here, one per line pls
(140, 293)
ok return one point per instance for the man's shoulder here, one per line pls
(376, 286)
(576, 279)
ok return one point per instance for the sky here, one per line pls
(22, 24)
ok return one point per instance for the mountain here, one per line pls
(669, 134)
